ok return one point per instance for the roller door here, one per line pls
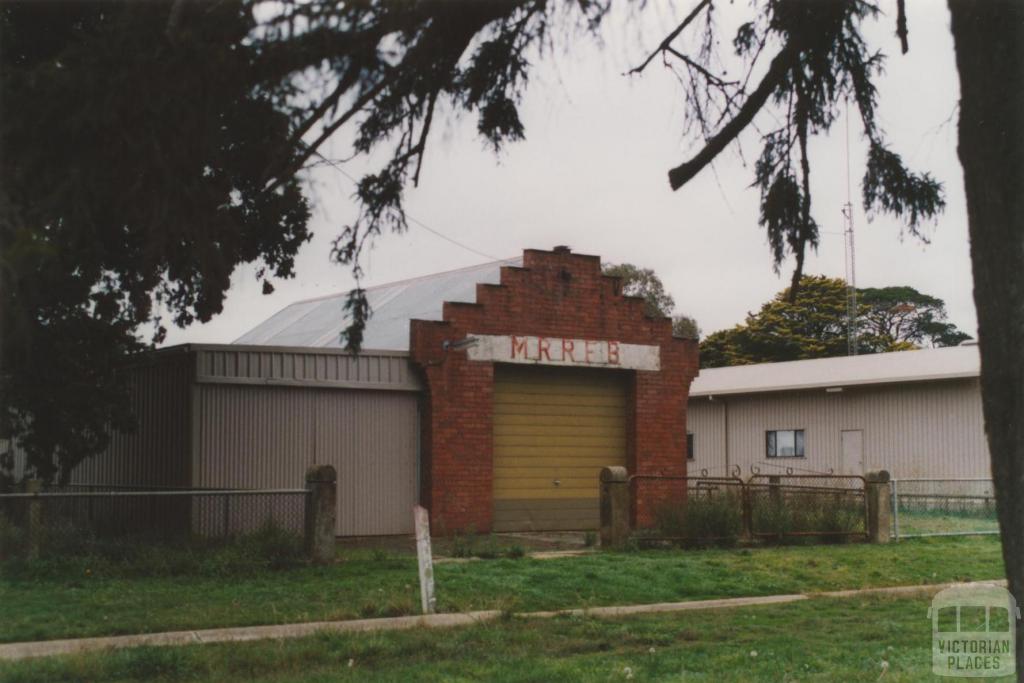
(554, 429)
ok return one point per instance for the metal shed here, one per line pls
(237, 416)
(913, 413)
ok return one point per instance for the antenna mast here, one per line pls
(851, 263)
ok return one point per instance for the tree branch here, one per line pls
(711, 78)
(683, 173)
(422, 145)
(901, 24)
(328, 130)
(670, 37)
(805, 201)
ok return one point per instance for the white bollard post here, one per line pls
(426, 560)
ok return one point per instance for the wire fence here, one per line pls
(80, 518)
(943, 507)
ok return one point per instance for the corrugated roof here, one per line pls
(319, 322)
(879, 368)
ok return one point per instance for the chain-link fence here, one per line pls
(79, 521)
(943, 507)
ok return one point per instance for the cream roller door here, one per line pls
(554, 429)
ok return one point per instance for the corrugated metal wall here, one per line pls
(924, 429)
(157, 452)
(257, 417)
(277, 366)
(266, 437)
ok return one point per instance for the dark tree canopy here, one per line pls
(134, 156)
(814, 325)
(813, 57)
(156, 146)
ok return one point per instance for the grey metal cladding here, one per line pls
(319, 322)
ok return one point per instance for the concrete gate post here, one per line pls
(876, 490)
(321, 511)
(614, 507)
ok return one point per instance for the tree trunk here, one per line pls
(989, 47)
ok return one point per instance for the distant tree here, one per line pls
(685, 327)
(814, 325)
(811, 326)
(645, 283)
(905, 314)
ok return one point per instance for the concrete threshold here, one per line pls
(48, 648)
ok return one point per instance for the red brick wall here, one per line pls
(554, 294)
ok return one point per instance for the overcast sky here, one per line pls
(592, 175)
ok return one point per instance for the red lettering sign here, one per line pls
(543, 348)
(518, 346)
(589, 349)
(568, 346)
(613, 353)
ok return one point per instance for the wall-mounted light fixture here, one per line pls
(449, 345)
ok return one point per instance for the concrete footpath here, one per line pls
(47, 648)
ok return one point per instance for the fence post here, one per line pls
(321, 507)
(896, 509)
(746, 512)
(876, 490)
(614, 507)
(34, 523)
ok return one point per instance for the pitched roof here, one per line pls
(319, 322)
(821, 373)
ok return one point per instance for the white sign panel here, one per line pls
(598, 353)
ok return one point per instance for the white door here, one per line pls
(852, 451)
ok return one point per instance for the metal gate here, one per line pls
(943, 507)
(715, 509)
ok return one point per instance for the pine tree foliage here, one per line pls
(821, 60)
(132, 183)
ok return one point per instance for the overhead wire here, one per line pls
(333, 164)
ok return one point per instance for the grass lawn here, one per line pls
(53, 604)
(853, 639)
(930, 522)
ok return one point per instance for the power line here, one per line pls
(333, 164)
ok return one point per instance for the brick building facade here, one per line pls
(558, 309)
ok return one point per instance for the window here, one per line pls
(689, 445)
(784, 443)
